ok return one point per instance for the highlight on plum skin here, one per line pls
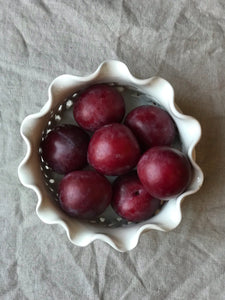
(84, 194)
(97, 106)
(131, 200)
(64, 149)
(151, 125)
(113, 150)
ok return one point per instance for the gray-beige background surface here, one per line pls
(182, 41)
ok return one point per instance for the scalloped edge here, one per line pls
(117, 71)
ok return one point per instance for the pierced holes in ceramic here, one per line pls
(69, 104)
(60, 108)
(57, 118)
(109, 222)
(74, 95)
(120, 89)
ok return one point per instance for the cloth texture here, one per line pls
(182, 41)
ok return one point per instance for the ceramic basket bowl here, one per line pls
(34, 174)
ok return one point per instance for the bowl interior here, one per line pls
(63, 114)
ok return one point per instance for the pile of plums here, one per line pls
(138, 152)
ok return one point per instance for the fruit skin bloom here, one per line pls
(97, 106)
(113, 150)
(152, 126)
(84, 194)
(65, 148)
(131, 200)
(165, 172)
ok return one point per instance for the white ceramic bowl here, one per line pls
(33, 174)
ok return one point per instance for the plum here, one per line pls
(64, 149)
(113, 150)
(165, 172)
(131, 200)
(84, 194)
(99, 105)
(151, 125)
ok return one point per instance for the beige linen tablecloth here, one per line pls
(181, 41)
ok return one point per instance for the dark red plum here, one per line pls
(65, 148)
(113, 150)
(151, 125)
(165, 172)
(99, 105)
(84, 194)
(131, 200)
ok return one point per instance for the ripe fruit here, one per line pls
(99, 105)
(113, 150)
(84, 194)
(131, 200)
(65, 148)
(151, 125)
(165, 172)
